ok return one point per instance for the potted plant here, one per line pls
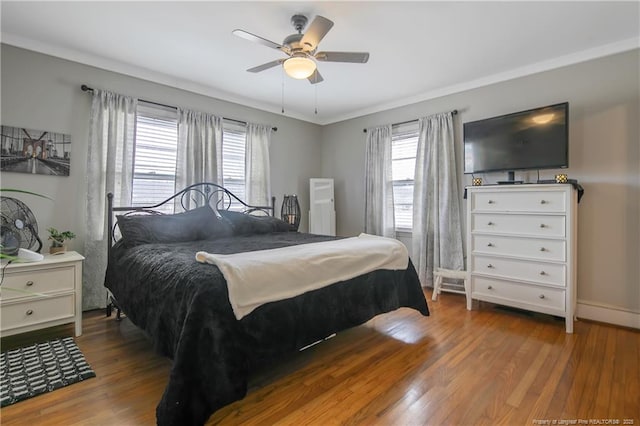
(57, 240)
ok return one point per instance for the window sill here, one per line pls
(404, 232)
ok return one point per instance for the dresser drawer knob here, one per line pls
(489, 287)
(541, 296)
(543, 249)
(490, 245)
(29, 283)
(542, 225)
(543, 202)
(490, 266)
(490, 223)
(543, 273)
(490, 201)
(29, 312)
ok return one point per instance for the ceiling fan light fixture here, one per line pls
(299, 67)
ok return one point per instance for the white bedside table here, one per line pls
(45, 293)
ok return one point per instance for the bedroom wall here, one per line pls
(604, 156)
(43, 93)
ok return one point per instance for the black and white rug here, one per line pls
(40, 368)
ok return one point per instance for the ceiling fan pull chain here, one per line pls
(282, 74)
(316, 96)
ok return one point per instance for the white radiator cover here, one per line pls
(322, 214)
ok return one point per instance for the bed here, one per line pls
(184, 308)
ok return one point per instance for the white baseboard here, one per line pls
(608, 314)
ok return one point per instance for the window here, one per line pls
(233, 154)
(404, 146)
(156, 144)
(154, 166)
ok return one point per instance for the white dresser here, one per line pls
(521, 247)
(42, 294)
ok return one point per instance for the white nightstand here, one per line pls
(45, 293)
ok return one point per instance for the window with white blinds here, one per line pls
(156, 143)
(233, 160)
(404, 146)
(154, 167)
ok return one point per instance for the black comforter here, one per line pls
(184, 307)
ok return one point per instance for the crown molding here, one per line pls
(168, 80)
(559, 62)
(141, 73)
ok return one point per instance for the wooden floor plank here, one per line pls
(483, 367)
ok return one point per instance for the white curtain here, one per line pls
(257, 165)
(199, 156)
(109, 169)
(437, 231)
(378, 195)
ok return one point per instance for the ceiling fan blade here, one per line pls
(316, 32)
(354, 57)
(266, 66)
(257, 39)
(315, 78)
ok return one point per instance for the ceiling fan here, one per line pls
(302, 49)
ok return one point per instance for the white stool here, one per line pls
(441, 273)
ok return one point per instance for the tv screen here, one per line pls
(532, 139)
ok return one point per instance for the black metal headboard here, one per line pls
(193, 196)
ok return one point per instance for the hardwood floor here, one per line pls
(488, 366)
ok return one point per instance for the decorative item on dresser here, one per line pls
(57, 240)
(521, 246)
(290, 211)
(42, 294)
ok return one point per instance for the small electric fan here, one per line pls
(18, 228)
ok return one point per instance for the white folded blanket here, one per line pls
(258, 277)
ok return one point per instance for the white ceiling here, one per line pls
(419, 50)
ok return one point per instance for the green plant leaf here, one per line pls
(24, 192)
(31, 293)
(4, 256)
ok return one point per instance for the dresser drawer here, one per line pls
(37, 281)
(546, 273)
(515, 294)
(534, 248)
(519, 224)
(36, 311)
(519, 201)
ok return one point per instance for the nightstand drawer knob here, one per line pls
(489, 288)
(543, 249)
(490, 266)
(541, 296)
(490, 201)
(543, 273)
(489, 223)
(543, 202)
(29, 283)
(542, 225)
(29, 312)
(490, 245)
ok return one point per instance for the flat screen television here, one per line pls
(533, 139)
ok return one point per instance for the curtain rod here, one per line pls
(454, 112)
(86, 88)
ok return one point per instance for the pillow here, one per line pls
(192, 225)
(246, 224)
